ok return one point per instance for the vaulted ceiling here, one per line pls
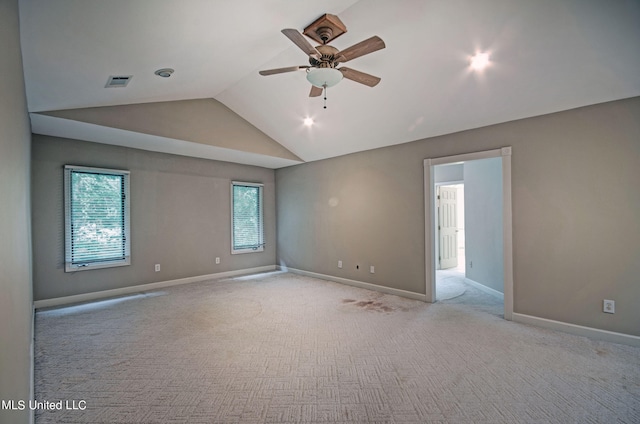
(545, 56)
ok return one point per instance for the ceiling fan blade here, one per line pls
(315, 91)
(282, 70)
(367, 46)
(360, 77)
(299, 40)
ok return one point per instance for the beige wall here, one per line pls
(576, 233)
(180, 216)
(364, 209)
(15, 264)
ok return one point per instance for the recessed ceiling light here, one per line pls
(164, 73)
(308, 122)
(479, 61)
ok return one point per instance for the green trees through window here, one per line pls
(96, 218)
(247, 225)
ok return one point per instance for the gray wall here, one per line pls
(483, 222)
(363, 209)
(15, 264)
(576, 232)
(180, 216)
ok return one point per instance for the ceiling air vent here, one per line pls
(118, 81)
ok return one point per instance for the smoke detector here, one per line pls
(164, 72)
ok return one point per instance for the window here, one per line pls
(246, 218)
(96, 205)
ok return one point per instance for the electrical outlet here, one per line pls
(372, 269)
(339, 264)
(157, 267)
(217, 260)
(609, 306)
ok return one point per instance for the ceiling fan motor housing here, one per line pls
(327, 57)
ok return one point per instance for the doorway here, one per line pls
(437, 243)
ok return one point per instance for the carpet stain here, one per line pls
(370, 305)
(348, 300)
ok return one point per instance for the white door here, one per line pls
(447, 226)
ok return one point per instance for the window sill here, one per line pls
(98, 265)
(243, 251)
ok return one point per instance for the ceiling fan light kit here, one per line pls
(322, 71)
(324, 77)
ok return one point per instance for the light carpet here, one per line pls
(449, 285)
(283, 348)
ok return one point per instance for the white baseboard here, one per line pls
(355, 283)
(578, 330)
(485, 289)
(45, 303)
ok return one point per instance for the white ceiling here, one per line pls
(547, 56)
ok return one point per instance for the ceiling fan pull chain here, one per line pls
(325, 96)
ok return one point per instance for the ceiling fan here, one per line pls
(322, 71)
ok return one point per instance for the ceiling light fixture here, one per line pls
(479, 61)
(308, 121)
(164, 72)
(324, 78)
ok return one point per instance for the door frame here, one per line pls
(431, 232)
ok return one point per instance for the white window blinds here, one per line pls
(96, 218)
(247, 219)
